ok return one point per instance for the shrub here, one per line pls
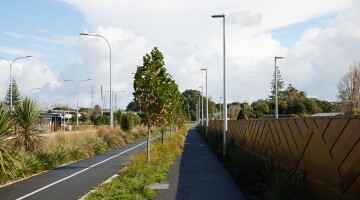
(129, 120)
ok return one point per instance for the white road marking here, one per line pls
(79, 172)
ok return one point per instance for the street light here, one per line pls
(77, 97)
(11, 64)
(207, 103)
(276, 89)
(202, 105)
(111, 109)
(225, 105)
(33, 90)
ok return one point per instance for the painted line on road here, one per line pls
(79, 172)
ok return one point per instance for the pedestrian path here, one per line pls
(197, 174)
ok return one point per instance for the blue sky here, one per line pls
(302, 31)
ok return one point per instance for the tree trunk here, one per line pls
(162, 137)
(148, 143)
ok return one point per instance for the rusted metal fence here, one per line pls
(326, 149)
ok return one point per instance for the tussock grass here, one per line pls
(132, 182)
(64, 147)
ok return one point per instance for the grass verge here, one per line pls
(132, 181)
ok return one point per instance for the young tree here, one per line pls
(16, 99)
(148, 89)
(349, 89)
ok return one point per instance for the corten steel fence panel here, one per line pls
(326, 149)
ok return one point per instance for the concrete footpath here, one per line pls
(197, 174)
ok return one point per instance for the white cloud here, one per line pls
(190, 39)
(244, 19)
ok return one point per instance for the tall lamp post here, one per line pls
(111, 108)
(11, 64)
(202, 105)
(207, 103)
(77, 97)
(225, 105)
(32, 90)
(276, 89)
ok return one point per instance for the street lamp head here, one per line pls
(67, 80)
(28, 56)
(203, 69)
(89, 79)
(87, 34)
(278, 57)
(218, 16)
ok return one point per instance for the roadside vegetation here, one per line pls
(61, 148)
(132, 182)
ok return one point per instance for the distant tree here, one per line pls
(233, 110)
(260, 107)
(129, 120)
(16, 99)
(280, 85)
(349, 89)
(191, 99)
(133, 106)
(245, 112)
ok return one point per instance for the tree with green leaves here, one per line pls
(191, 98)
(148, 89)
(16, 99)
(280, 85)
(27, 116)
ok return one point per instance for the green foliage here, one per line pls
(191, 98)
(133, 106)
(117, 116)
(16, 99)
(156, 93)
(133, 181)
(8, 158)
(280, 85)
(27, 116)
(349, 89)
(245, 112)
(129, 120)
(100, 119)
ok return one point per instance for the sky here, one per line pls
(319, 40)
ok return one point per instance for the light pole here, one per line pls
(77, 97)
(11, 64)
(276, 89)
(225, 105)
(199, 110)
(111, 109)
(207, 103)
(33, 90)
(202, 105)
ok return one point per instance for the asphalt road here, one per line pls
(74, 180)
